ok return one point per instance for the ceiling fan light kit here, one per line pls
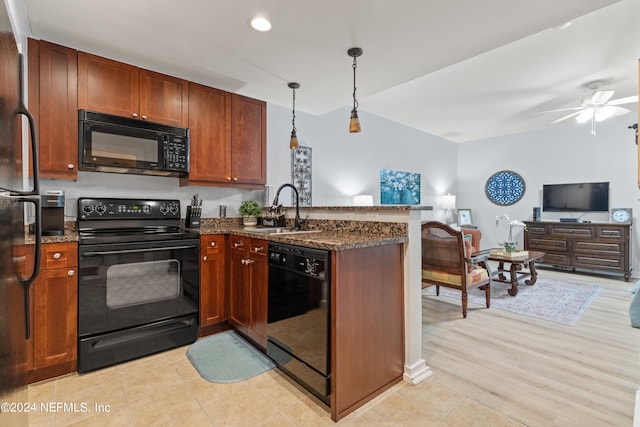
(598, 106)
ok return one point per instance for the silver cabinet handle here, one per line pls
(135, 115)
(71, 272)
(235, 178)
(212, 243)
(204, 258)
(56, 255)
(144, 117)
(71, 166)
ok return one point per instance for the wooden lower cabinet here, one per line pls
(213, 307)
(367, 334)
(54, 325)
(248, 275)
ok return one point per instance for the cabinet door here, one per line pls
(55, 322)
(258, 299)
(163, 99)
(53, 72)
(107, 86)
(209, 134)
(238, 283)
(212, 280)
(248, 140)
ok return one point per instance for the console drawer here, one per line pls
(613, 233)
(598, 248)
(599, 263)
(556, 259)
(567, 230)
(545, 245)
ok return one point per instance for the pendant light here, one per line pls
(293, 143)
(354, 122)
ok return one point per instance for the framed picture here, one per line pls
(464, 217)
(399, 188)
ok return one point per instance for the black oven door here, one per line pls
(133, 296)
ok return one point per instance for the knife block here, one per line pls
(192, 219)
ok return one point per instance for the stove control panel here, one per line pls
(103, 208)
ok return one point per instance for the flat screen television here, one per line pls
(579, 197)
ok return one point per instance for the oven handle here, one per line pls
(128, 251)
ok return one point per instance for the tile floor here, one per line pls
(165, 390)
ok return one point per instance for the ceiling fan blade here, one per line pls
(602, 96)
(618, 111)
(561, 109)
(627, 100)
(568, 116)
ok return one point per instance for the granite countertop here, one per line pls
(330, 235)
(330, 240)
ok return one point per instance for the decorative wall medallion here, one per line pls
(505, 188)
(301, 175)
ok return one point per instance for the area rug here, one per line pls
(556, 300)
(227, 358)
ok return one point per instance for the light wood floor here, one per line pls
(539, 372)
(493, 369)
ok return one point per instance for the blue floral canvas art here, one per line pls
(399, 188)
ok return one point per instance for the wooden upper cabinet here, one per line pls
(227, 139)
(164, 99)
(53, 102)
(107, 86)
(209, 135)
(248, 139)
(112, 87)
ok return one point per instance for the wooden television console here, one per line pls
(578, 245)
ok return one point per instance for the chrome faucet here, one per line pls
(275, 205)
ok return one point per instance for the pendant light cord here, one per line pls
(355, 101)
(293, 120)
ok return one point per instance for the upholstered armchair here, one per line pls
(447, 261)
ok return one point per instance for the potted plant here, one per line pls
(250, 210)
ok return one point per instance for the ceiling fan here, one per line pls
(597, 107)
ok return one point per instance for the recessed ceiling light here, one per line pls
(260, 23)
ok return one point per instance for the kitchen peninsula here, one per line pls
(375, 340)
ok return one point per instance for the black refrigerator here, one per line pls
(19, 194)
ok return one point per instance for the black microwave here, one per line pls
(117, 144)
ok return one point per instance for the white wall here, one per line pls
(564, 154)
(347, 164)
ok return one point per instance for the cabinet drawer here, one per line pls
(238, 244)
(536, 229)
(599, 263)
(259, 247)
(59, 255)
(608, 232)
(548, 244)
(556, 258)
(613, 248)
(567, 230)
(212, 244)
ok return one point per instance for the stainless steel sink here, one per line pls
(277, 230)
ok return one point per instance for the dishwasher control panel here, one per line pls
(308, 261)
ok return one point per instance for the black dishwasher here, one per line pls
(298, 336)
